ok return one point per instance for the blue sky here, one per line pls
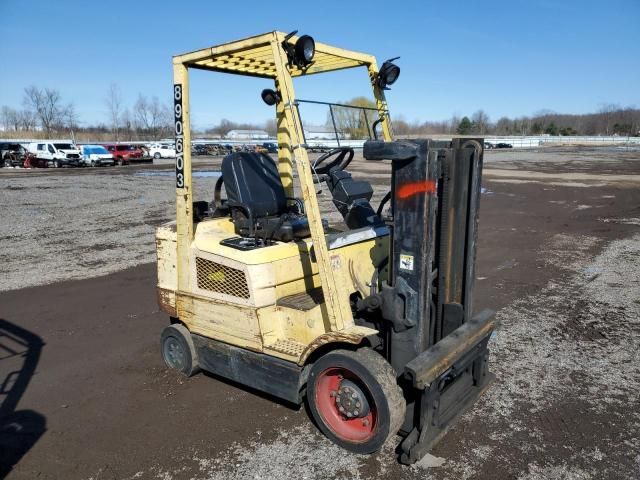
(507, 57)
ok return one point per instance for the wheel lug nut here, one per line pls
(354, 395)
(341, 409)
(358, 404)
(356, 412)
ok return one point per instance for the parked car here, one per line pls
(217, 149)
(12, 154)
(270, 147)
(199, 149)
(123, 153)
(96, 156)
(489, 145)
(56, 154)
(159, 150)
(504, 145)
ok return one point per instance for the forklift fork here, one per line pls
(437, 348)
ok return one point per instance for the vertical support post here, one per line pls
(285, 167)
(304, 137)
(333, 269)
(366, 120)
(381, 103)
(184, 193)
(335, 129)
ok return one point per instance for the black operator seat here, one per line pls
(257, 200)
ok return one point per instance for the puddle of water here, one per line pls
(171, 173)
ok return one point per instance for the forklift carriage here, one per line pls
(373, 324)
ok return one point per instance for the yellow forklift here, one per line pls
(370, 323)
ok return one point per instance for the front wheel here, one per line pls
(156, 155)
(57, 164)
(355, 399)
(178, 351)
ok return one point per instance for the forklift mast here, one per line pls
(433, 339)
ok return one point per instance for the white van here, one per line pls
(56, 153)
(96, 155)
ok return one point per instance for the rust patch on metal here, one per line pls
(330, 337)
(165, 301)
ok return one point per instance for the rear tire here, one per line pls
(178, 351)
(373, 398)
(156, 156)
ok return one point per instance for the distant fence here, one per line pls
(544, 140)
(515, 142)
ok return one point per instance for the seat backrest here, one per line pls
(252, 179)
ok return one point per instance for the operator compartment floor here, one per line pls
(303, 301)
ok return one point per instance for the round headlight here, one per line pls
(388, 74)
(305, 49)
(270, 97)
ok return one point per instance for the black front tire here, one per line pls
(375, 376)
(178, 351)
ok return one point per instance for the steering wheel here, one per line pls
(383, 203)
(344, 156)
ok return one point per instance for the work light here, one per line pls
(270, 97)
(301, 54)
(305, 49)
(388, 74)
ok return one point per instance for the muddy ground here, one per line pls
(559, 258)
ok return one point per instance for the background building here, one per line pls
(247, 135)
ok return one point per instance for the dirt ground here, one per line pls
(85, 394)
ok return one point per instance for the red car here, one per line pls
(123, 154)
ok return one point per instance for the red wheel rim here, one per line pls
(356, 430)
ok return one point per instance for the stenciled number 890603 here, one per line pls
(177, 112)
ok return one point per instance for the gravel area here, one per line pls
(61, 227)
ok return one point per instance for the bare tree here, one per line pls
(28, 120)
(127, 124)
(152, 117)
(70, 119)
(10, 118)
(271, 127)
(114, 105)
(607, 114)
(47, 105)
(480, 121)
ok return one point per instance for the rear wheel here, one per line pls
(57, 164)
(93, 163)
(178, 351)
(355, 399)
(156, 155)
